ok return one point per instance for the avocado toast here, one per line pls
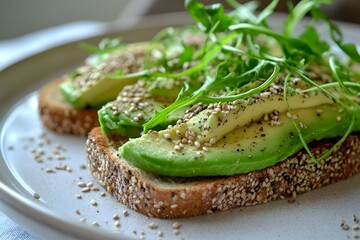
(70, 104)
(276, 115)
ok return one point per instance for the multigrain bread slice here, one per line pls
(58, 115)
(168, 197)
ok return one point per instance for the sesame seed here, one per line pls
(125, 213)
(212, 141)
(78, 196)
(152, 226)
(197, 144)
(117, 223)
(356, 236)
(82, 219)
(116, 217)
(77, 212)
(160, 233)
(176, 225)
(355, 227)
(36, 195)
(93, 202)
(173, 206)
(49, 170)
(95, 224)
(338, 118)
(81, 184)
(167, 136)
(86, 189)
(176, 231)
(344, 226)
(103, 194)
(356, 219)
(90, 184)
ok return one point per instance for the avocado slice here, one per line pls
(136, 104)
(254, 146)
(90, 86)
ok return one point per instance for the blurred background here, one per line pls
(19, 17)
(28, 27)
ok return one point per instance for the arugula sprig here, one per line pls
(105, 46)
(233, 49)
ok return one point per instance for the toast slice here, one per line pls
(58, 115)
(169, 197)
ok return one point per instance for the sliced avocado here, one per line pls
(92, 87)
(165, 87)
(133, 107)
(253, 146)
(215, 126)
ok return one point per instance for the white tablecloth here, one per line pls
(11, 231)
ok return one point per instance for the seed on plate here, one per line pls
(117, 223)
(176, 231)
(77, 212)
(82, 219)
(90, 184)
(36, 195)
(96, 224)
(152, 226)
(49, 170)
(356, 219)
(86, 189)
(356, 236)
(95, 189)
(356, 227)
(93, 202)
(176, 225)
(103, 194)
(125, 213)
(160, 233)
(81, 184)
(116, 217)
(78, 196)
(344, 225)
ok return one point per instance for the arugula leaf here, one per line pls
(311, 37)
(336, 35)
(298, 13)
(105, 46)
(268, 10)
(207, 16)
(233, 49)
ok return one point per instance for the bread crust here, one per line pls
(59, 116)
(167, 197)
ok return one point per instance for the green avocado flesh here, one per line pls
(244, 148)
(103, 91)
(91, 85)
(127, 114)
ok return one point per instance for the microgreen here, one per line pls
(233, 47)
(105, 46)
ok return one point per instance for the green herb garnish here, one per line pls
(235, 49)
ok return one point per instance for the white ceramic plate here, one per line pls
(56, 215)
